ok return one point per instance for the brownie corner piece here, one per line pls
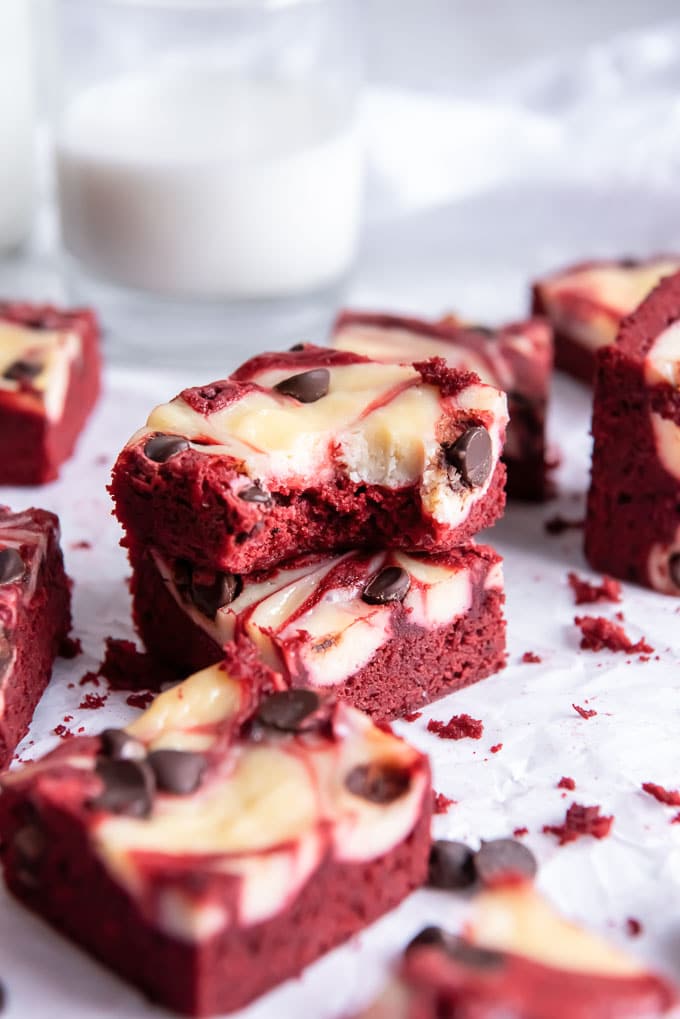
(35, 617)
(315, 450)
(632, 529)
(49, 382)
(224, 841)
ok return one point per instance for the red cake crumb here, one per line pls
(558, 525)
(584, 712)
(126, 668)
(70, 647)
(599, 633)
(140, 700)
(68, 718)
(496, 747)
(442, 803)
(90, 677)
(458, 727)
(586, 593)
(676, 819)
(670, 797)
(62, 731)
(530, 658)
(633, 926)
(412, 716)
(566, 783)
(520, 832)
(580, 821)
(93, 701)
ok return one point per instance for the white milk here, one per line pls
(194, 183)
(16, 122)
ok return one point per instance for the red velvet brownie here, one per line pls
(632, 526)
(386, 631)
(315, 450)
(35, 617)
(225, 840)
(520, 960)
(586, 302)
(516, 358)
(49, 383)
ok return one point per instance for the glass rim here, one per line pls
(206, 4)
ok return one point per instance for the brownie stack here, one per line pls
(321, 507)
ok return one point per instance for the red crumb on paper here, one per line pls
(70, 647)
(530, 658)
(90, 677)
(586, 593)
(600, 633)
(676, 819)
(140, 700)
(93, 701)
(584, 712)
(126, 668)
(62, 731)
(520, 832)
(670, 797)
(81, 544)
(633, 926)
(496, 747)
(559, 524)
(412, 716)
(441, 803)
(566, 783)
(458, 727)
(578, 822)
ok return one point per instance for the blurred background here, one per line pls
(235, 170)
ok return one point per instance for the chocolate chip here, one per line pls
(428, 936)
(177, 771)
(308, 387)
(674, 568)
(391, 584)
(474, 956)
(483, 331)
(22, 371)
(378, 782)
(11, 566)
(289, 710)
(119, 745)
(296, 348)
(451, 865)
(30, 843)
(209, 598)
(470, 458)
(504, 860)
(629, 263)
(160, 448)
(128, 788)
(254, 494)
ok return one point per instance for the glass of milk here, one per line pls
(17, 123)
(208, 167)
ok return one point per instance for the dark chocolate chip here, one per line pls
(474, 956)
(391, 584)
(208, 598)
(428, 936)
(30, 843)
(254, 494)
(128, 788)
(483, 331)
(674, 568)
(504, 860)
(22, 371)
(470, 457)
(11, 566)
(177, 771)
(378, 782)
(451, 865)
(308, 387)
(160, 448)
(119, 745)
(289, 710)
(296, 348)
(629, 263)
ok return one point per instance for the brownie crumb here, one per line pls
(412, 716)
(530, 658)
(70, 647)
(669, 797)
(580, 821)
(442, 803)
(633, 926)
(458, 727)
(520, 832)
(93, 701)
(140, 700)
(90, 677)
(586, 593)
(566, 783)
(600, 633)
(62, 731)
(584, 712)
(126, 668)
(676, 819)
(559, 524)
(496, 747)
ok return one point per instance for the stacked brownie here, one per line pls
(321, 507)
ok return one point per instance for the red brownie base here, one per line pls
(74, 892)
(33, 626)
(632, 524)
(414, 667)
(32, 445)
